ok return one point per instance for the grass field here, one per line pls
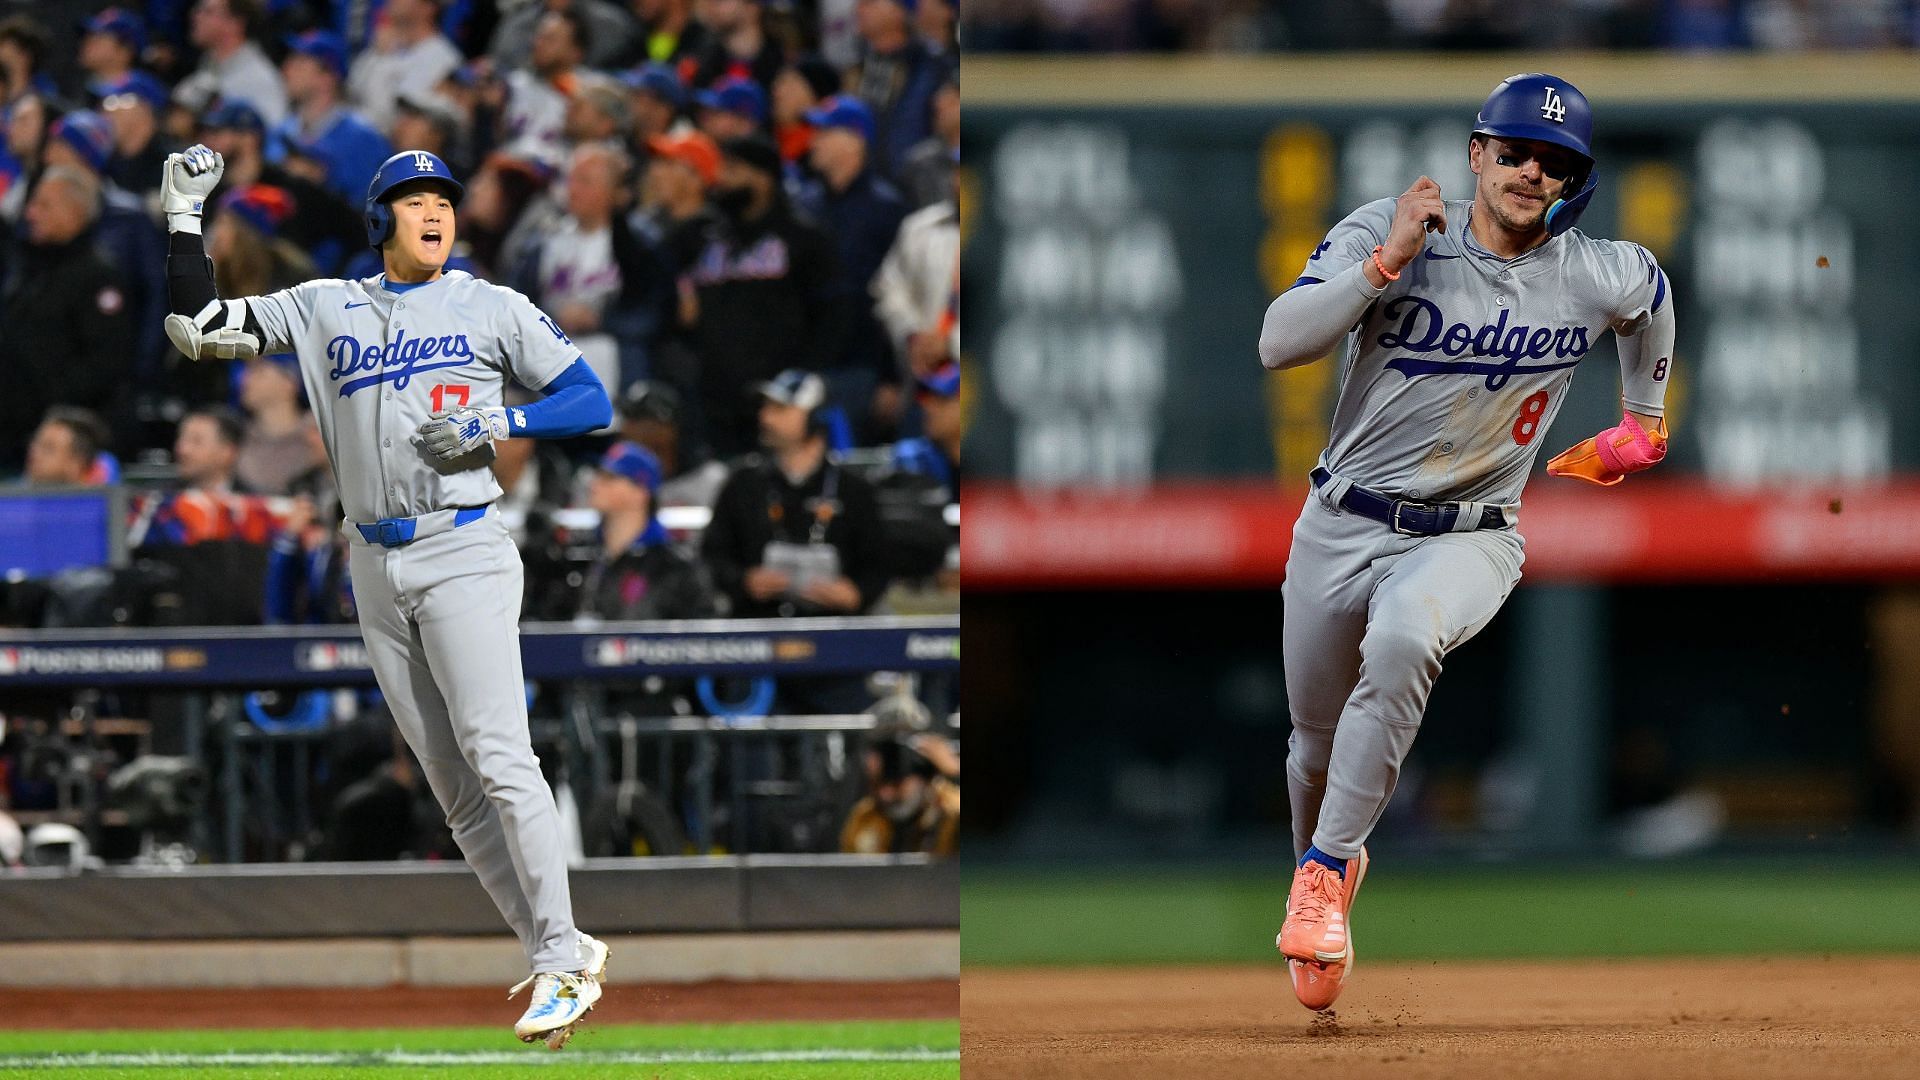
(886, 1050)
(1153, 916)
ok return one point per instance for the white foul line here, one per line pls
(478, 1057)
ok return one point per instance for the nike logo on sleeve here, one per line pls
(362, 303)
(1432, 254)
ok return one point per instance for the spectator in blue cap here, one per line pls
(923, 482)
(109, 47)
(862, 212)
(636, 573)
(656, 96)
(351, 148)
(408, 55)
(897, 78)
(133, 107)
(740, 46)
(328, 227)
(937, 453)
(123, 234)
(732, 109)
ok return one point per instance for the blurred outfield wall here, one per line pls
(1135, 216)
(1129, 220)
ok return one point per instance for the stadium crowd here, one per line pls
(1452, 25)
(743, 212)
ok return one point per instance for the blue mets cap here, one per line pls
(658, 80)
(323, 45)
(742, 96)
(133, 86)
(90, 136)
(843, 111)
(235, 115)
(633, 462)
(128, 26)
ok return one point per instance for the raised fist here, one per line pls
(186, 180)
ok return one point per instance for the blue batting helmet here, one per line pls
(403, 168)
(1546, 109)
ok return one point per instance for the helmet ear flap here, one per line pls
(379, 224)
(1565, 211)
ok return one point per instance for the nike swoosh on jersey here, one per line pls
(1432, 254)
(362, 303)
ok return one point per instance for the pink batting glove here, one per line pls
(1630, 448)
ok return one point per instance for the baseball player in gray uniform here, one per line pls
(405, 371)
(1463, 323)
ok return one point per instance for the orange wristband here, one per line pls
(1382, 267)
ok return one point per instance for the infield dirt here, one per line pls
(663, 1003)
(1610, 1020)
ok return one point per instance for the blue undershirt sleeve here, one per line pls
(575, 403)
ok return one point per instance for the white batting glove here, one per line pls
(462, 431)
(186, 180)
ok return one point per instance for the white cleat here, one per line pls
(561, 999)
(552, 1024)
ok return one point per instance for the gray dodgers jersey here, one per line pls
(1455, 372)
(377, 364)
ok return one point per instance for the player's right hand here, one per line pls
(1414, 214)
(186, 180)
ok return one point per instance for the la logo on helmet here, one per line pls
(423, 161)
(1554, 109)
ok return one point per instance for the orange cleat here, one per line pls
(1318, 985)
(1316, 930)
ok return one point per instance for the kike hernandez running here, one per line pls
(1464, 321)
(405, 372)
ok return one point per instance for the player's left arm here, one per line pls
(1644, 331)
(541, 356)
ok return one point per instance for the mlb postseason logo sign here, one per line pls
(22, 661)
(1554, 109)
(332, 656)
(672, 652)
(933, 646)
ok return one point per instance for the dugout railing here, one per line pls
(215, 668)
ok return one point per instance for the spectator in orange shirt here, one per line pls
(206, 452)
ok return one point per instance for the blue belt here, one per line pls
(1405, 516)
(397, 532)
